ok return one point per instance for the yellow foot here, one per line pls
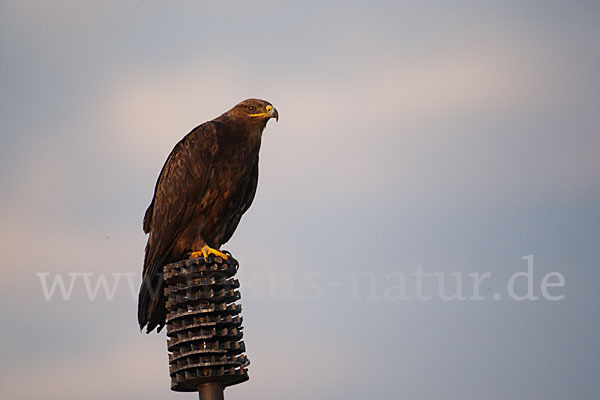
(206, 251)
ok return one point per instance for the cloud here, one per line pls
(359, 117)
(128, 369)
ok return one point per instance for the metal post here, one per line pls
(211, 391)
(204, 326)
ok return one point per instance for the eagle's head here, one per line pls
(252, 111)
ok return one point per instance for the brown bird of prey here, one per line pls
(207, 183)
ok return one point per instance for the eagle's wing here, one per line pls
(248, 192)
(182, 181)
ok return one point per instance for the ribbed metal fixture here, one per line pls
(204, 325)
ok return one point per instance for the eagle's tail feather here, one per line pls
(151, 303)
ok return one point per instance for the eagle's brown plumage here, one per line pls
(206, 184)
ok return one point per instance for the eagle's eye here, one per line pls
(251, 108)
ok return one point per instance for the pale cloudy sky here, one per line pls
(459, 137)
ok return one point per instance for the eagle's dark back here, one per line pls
(207, 183)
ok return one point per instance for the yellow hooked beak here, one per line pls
(271, 112)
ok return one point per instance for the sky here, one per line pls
(421, 146)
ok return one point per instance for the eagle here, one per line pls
(207, 183)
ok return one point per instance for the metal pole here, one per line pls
(204, 326)
(211, 391)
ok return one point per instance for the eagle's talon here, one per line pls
(206, 251)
